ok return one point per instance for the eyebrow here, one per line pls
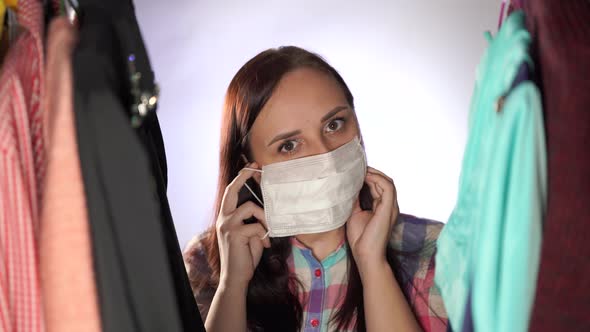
(284, 136)
(333, 112)
(328, 115)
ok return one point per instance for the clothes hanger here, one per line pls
(6, 5)
(12, 26)
(72, 11)
(11, 3)
(2, 12)
(507, 7)
(68, 8)
(503, 10)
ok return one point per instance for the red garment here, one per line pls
(561, 35)
(515, 5)
(21, 170)
(67, 276)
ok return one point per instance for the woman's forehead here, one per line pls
(301, 98)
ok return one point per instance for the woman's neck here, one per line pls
(323, 244)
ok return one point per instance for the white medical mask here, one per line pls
(312, 194)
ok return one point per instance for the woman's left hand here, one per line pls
(368, 232)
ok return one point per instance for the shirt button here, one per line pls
(314, 322)
(318, 273)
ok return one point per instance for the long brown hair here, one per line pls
(272, 301)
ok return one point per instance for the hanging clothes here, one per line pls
(67, 275)
(524, 74)
(22, 166)
(141, 280)
(561, 43)
(491, 243)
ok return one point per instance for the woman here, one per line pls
(372, 270)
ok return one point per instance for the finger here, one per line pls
(386, 181)
(230, 196)
(379, 189)
(370, 181)
(375, 171)
(256, 248)
(379, 182)
(382, 186)
(245, 232)
(246, 211)
(253, 210)
(266, 241)
(385, 190)
(376, 195)
(379, 175)
(257, 175)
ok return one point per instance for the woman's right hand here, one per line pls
(240, 245)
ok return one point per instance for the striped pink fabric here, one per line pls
(22, 169)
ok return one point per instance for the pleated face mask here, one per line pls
(312, 194)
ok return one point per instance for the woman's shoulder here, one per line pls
(415, 240)
(195, 254)
(413, 234)
(199, 272)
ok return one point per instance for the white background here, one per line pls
(410, 66)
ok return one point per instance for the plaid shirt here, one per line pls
(22, 165)
(325, 283)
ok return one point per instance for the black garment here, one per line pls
(141, 281)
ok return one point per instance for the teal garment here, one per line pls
(491, 243)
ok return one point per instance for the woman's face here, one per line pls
(307, 115)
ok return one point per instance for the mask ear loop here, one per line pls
(252, 192)
(259, 201)
(265, 235)
(256, 196)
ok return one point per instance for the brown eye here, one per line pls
(334, 125)
(288, 146)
